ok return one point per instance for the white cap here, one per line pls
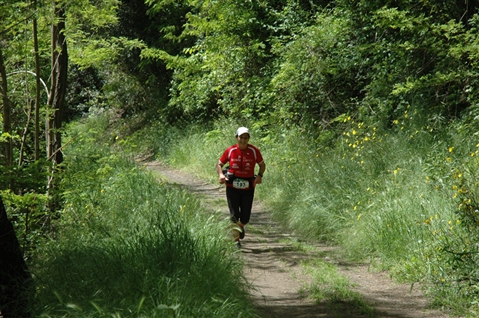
(241, 130)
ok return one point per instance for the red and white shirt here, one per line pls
(242, 162)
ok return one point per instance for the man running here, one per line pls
(240, 179)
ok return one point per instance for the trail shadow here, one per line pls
(268, 251)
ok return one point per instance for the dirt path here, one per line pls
(273, 268)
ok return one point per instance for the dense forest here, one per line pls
(367, 111)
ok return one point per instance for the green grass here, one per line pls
(129, 246)
(384, 195)
(388, 196)
(330, 286)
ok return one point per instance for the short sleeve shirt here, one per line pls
(242, 162)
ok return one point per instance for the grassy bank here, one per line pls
(398, 197)
(127, 246)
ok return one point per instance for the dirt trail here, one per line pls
(273, 268)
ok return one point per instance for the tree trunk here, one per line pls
(15, 280)
(56, 100)
(7, 125)
(23, 144)
(37, 89)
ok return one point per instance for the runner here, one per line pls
(240, 179)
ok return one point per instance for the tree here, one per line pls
(37, 82)
(56, 101)
(15, 279)
(7, 125)
(16, 99)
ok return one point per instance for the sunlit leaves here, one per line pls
(317, 73)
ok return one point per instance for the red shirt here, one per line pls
(242, 162)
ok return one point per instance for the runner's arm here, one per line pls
(262, 168)
(219, 170)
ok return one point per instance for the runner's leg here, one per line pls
(246, 205)
(233, 197)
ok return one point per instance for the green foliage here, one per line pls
(453, 256)
(29, 217)
(412, 55)
(127, 246)
(319, 75)
(305, 69)
(229, 66)
(87, 20)
(351, 103)
(153, 139)
(442, 11)
(91, 17)
(27, 201)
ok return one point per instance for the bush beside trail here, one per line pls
(127, 246)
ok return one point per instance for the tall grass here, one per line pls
(385, 194)
(196, 149)
(127, 246)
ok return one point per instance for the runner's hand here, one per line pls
(222, 178)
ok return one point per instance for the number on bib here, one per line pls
(240, 184)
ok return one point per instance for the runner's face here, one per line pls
(243, 140)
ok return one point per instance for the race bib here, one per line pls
(240, 183)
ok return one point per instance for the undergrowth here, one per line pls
(127, 246)
(387, 195)
(403, 198)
